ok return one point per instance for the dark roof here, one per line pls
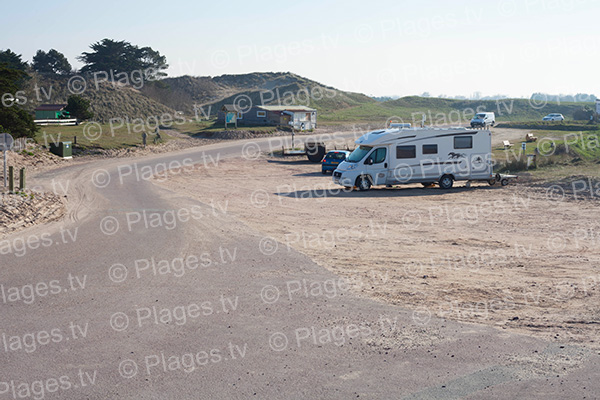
(291, 108)
(229, 108)
(50, 107)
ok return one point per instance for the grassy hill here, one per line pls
(183, 92)
(169, 95)
(108, 101)
(447, 111)
(263, 88)
(276, 88)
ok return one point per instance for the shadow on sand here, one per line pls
(316, 173)
(396, 191)
(289, 161)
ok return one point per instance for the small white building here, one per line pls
(298, 117)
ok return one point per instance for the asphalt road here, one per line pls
(141, 293)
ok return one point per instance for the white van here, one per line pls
(483, 119)
(421, 155)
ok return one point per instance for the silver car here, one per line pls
(553, 117)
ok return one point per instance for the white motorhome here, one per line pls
(418, 155)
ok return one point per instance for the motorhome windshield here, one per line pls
(480, 116)
(359, 153)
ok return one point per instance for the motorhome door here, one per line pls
(377, 165)
(480, 161)
(460, 156)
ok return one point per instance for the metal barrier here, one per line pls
(71, 121)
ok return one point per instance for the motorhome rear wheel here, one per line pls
(446, 182)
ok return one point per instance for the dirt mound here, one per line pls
(23, 209)
(34, 158)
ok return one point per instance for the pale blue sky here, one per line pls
(512, 47)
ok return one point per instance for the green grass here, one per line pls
(97, 136)
(206, 126)
(193, 127)
(501, 154)
(586, 145)
(575, 153)
(445, 111)
(549, 125)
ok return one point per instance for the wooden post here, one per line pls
(74, 140)
(4, 159)
(11, 179)
(22, 179)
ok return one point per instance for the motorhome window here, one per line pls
(406, 151)
(481, 116)
(430, 149)
(463, 142)
(378, 155)
(359, 153)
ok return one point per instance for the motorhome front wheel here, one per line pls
(363, 183)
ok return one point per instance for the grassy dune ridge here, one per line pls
(444, 111)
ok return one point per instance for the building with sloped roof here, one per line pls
(51, 111)
(297, 117)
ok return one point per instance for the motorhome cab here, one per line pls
(417, 155)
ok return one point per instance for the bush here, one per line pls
(18, 122)
(78, 107)
(583, 114)
(514, 165)
(14, 119)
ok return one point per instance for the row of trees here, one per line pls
(565, 98)
(52, 62)
(122, 56)
(106, 55)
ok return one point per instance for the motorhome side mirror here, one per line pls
(369, 161)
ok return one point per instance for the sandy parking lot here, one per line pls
(511, 257)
